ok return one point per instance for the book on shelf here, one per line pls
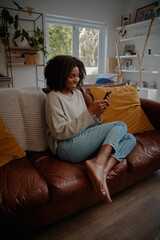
(14, 54)
(16, 63)
(5, 78)
(17, 60)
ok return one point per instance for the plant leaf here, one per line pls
(6, 16)
(25, 34)
(17, 34)
(16, 22)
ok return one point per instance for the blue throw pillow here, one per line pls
(104, 80)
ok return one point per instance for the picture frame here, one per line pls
(127, 63)
(128, 49)
(157, 11)
(125, 19)
(145, 13)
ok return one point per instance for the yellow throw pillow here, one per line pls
(9, 147)
(125, 106)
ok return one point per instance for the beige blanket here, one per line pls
(23, 112)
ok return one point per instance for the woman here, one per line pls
(74, 133)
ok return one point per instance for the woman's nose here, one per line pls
(76, 79)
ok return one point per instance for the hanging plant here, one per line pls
(7, 19)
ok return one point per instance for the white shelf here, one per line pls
(132, 38)
(129, 56)
(135, 56)
(143, 71)
(141, 24)
(138, 37)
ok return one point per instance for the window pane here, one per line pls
(60, 40)
(88, 49)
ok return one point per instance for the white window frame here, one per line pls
(76, 24)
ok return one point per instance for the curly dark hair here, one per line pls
(59, 68)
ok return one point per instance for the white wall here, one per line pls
(107, 11)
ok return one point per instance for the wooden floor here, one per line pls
(134, 214)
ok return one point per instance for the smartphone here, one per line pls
(107, 94)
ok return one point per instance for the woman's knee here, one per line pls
(132, 138)
(121, 124)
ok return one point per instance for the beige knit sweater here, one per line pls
(66, 116)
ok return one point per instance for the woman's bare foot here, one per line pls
(97, 177)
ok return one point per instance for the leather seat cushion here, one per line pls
(66, 179)
(21, 187)
(146, 151)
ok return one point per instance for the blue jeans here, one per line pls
(87, 143)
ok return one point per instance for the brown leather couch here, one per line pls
(40, 189)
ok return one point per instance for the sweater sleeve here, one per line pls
(96, 120)
(60, 126)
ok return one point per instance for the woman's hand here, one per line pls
(99, 106)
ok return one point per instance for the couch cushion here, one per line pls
(9, 147)
(146, 151)
(21, 187)
(64, 179)
(125, 106)
(23, 112)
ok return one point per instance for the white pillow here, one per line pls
(23, 112)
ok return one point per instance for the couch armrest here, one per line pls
(152, 110)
